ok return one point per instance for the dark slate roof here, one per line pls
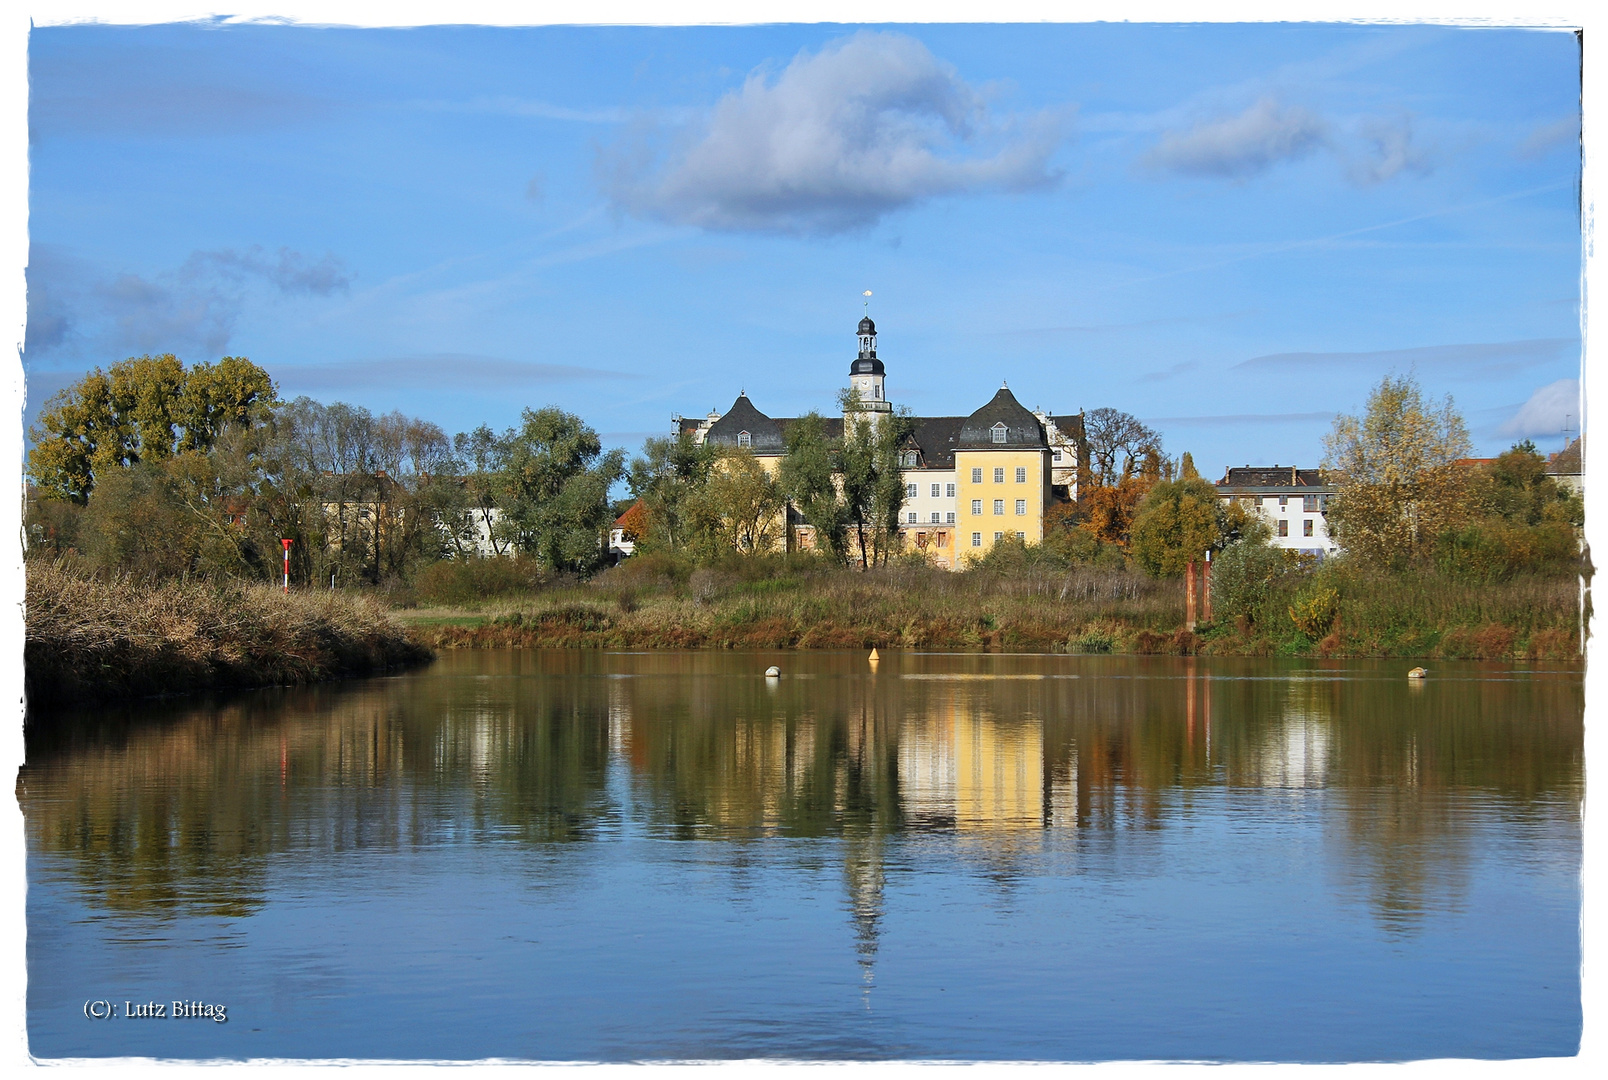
(1022, 430)
(1071, 426)
(764, 433)
(867, 326)
(1276, 476)
(867, 365)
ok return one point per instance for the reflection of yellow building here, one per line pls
(962, 765)
(999, 772)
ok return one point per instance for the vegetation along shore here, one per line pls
(95, 638)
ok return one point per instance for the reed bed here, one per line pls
(1077, 609)
(94, 638)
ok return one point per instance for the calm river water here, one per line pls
(570, 855)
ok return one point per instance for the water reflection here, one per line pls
(177, 808)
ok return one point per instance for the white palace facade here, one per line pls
(969, 480)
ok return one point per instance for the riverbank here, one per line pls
(90, 639)
(1081, 610)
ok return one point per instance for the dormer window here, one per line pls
(910, 459)
(744, 439)
(998, 432)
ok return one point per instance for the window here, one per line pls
(977, 539)
(949, 518)
(999, 506)
(1058, 455)
(935, 490)
(977, 506)
(921, 539)
(949, 491)
(910, 491)
(997, 432)
(911, 520)
(943, 539)
(910, 460)
(1309, 503)
(997, 537)
(999, 476)
(1306, 527)
(936, 517)
(1021, 506)
(744, 439)
(1284, 500)
(977, 476)
(1021, 474)
(1022, 537)
(1284, 528)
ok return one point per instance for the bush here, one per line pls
(464, 582)
(1314, 611)
(1249, 578)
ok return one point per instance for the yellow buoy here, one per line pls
(874, 656)
(1417, 673)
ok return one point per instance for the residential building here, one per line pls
(1294, 502)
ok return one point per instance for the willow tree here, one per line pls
(1398, 482)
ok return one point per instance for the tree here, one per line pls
(556, 489)
(872, 480)
(808, 477)
(1178, 521)
(1398, 482)
(667, 477)
(1116, 443)
(146, 408)
(740, 506)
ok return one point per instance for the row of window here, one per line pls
(977, 538)
(999, 506)
(1306, 527)
(911, 520)
(1311, 504)
(948, 490)
(999, 475)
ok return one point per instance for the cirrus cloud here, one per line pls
(868, 125)
(1236, 147)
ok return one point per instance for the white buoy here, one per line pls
(773, 672)
(1417, 673)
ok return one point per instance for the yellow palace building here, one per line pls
(969, 480)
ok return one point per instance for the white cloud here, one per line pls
(1391, 149)
(1549, 410)
(870, 124)
(1239, 146)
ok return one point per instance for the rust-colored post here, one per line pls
(1189, 596)
(1206, 589)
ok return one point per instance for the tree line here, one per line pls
(169, 471)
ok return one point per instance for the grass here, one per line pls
(782, 603)
(98, 638)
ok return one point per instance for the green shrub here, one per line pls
(465, 582)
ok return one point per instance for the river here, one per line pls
(577, 856)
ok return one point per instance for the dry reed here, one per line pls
(97, 638)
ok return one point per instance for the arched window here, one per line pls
(998, 431)
(744, 439)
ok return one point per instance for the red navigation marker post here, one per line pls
(287, 566)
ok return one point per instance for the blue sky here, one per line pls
(1231, 231)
